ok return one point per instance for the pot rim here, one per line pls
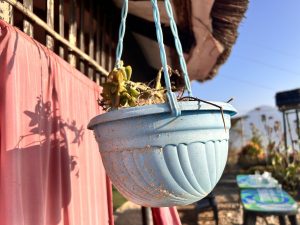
(145, 110)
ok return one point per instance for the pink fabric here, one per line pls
(51, 171)
(165, 216)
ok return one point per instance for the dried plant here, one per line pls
(119, 91)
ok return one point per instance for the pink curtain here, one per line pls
(51, 171)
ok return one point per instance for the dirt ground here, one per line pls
(229, 209)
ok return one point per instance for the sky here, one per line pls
(264, 60)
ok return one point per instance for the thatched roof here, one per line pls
(226, 17)
(208, 30)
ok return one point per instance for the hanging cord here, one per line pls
(122, 29)
(171, 96)
(159, 35)
(190, 98)
(178, 46)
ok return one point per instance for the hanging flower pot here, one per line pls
(167, 154)
(156, 159)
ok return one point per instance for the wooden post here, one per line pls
(72, 30)
(284, 132)
(91, 38)
(290, 131)
(98, 42)
(6, 12)
(110, 52)
(81, 36)
(298, 125)
(61, 18)
(104, 54)
(50, 22)
(103, 42)
(27, 26)
(147, 216)
(110, 34)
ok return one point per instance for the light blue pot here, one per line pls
(158, 160)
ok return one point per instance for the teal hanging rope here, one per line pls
(160, 41)
(171, 96)
(178, 46)
(122, 29)
(159, 35)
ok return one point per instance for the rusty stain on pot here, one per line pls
(147, 148)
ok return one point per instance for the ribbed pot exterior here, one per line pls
(158, 160)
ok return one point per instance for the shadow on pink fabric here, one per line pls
(165, 216)
(51, 171)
